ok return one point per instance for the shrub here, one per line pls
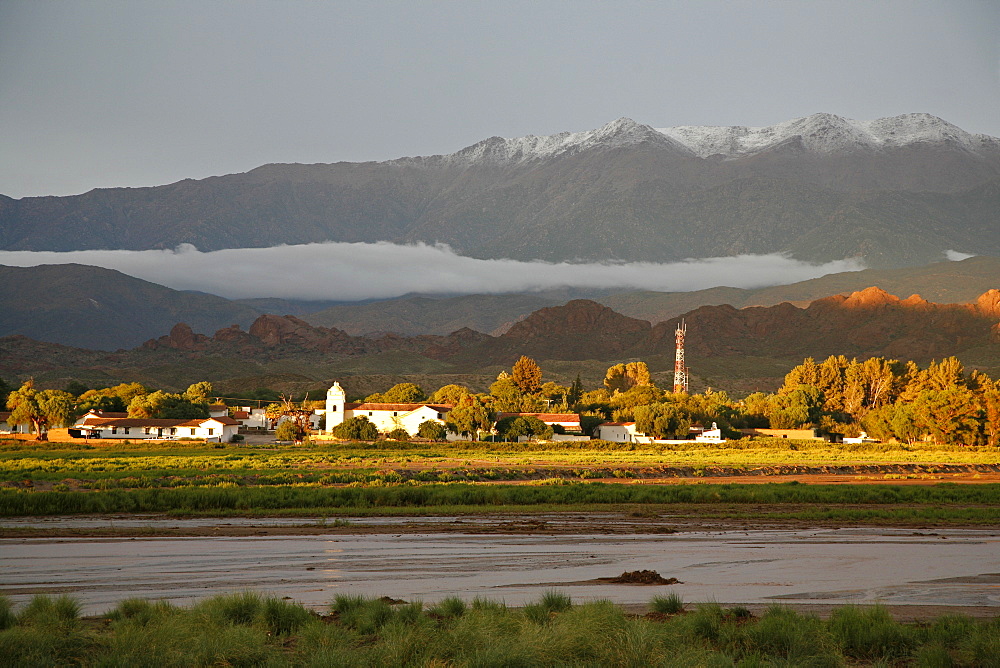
(356, 429)
(289, 430)
(432, 431)
(399, 434)
(556, 601)
(667, 605)
(141, 611)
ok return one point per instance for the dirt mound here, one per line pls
(642, 578)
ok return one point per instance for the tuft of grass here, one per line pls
(240, 608)
(141, 611)
(870, 634)
(7, 616)
(671, 604)
(451, 607)
(45, 610)
(556, 601)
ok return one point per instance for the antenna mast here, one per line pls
(680, 369)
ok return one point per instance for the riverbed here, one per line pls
(898, 567)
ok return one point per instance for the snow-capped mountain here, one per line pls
(898, 190)
(819, 133)
(827, 133)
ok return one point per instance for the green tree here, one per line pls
(162, 404)
(527, 375)
(903, 421)
(356, 429)
(950, 415)
(469, 417)
(401, 393)
(524, 425)
(290, 430)
(98, 402)
(198, 393)
(399, 434)
(575, 392)
(432, 431)
(990, 402)
(662, 421)
(623, 377)
(507, 396)
(449, 394)
(41, 409)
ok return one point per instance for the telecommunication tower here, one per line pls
(680, 369)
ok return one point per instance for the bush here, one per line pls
(289, 430)
(399, 434)
(356, 429)
(869, 634)
(432, 431)
(450, 608)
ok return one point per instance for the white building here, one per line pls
(620, 432)
(96, 425)
(7, 428)
(385, 417)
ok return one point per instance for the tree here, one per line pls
(662, 421)
(198, 393)
(525, 425)
(357, 428)
(469, 417)
(527, 375)
(432, 431)
(951, 415)
(449, 394)
(41, 409)
(990, 400)
(507, 396)
(575, 392)
(401, 393)
(290, 430)
(623, 377)
(399, 434)
(162, 404)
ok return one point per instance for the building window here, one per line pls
(126, 429)
(211, 431)
(369, 413)
(192, 431)
(440, 417)
(114, 430)
(333, 410)
(173, 430)
(394, 414)
(146, 430)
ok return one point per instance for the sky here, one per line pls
(116, 93)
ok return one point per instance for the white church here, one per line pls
(385, 417)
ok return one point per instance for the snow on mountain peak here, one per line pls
(825, 133)
(818, 133)
(617, 133)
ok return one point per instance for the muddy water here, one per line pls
(899, 567)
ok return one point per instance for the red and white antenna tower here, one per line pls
(680, 369)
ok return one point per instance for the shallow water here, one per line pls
(900, 567)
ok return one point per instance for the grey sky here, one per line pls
(100, 94)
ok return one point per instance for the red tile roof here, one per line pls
(615, 424)
(241, 415)
(560, 418)
(152, 422)
(441, 408)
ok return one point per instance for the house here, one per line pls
(218, 410)
(7, 428)
(251, 418)
(385, 417)
(96, 425)
(619, 432)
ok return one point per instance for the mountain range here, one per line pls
(97, 308)
(580, 336)
(895, 191)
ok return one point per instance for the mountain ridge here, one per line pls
(623, 192)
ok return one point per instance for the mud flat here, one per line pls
(936, 570)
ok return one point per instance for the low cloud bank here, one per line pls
(353, 271)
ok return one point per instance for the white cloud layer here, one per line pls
(354, 271)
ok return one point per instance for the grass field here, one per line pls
(251, 629)
(420, 479)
